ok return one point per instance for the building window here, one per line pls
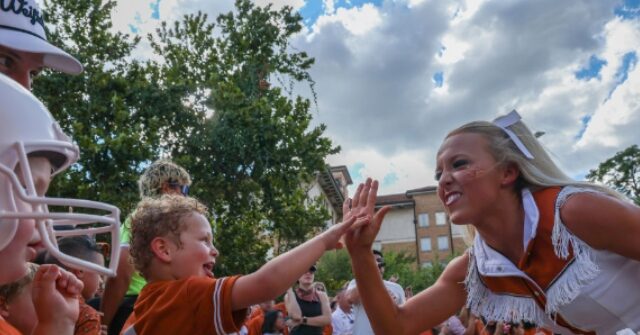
(443, 242)
(458, 230)
(427, 264)
(425, 244)
(441, 219)
(423, 220)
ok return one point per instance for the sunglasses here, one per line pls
(184, 189)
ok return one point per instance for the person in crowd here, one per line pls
(120, 293)
(361, 325)
(256, 319)
(273, 323)
(342, 318)
(24, 49)
(308, 307)
(553, 251)
(16, 305)
(171, 245)
(33, 149)
(83, 247)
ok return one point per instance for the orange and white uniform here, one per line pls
(196, 305)
(560, 283)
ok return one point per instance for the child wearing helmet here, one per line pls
(33, 149)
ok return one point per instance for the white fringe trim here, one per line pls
(584, 268)
(498, 307)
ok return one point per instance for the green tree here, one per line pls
(621, 172)
(334, 270)
(116, 112)
(253, 152)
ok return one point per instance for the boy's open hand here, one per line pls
(363, 205)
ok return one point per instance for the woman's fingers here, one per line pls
(356, 197)
(372, 196)
(362, 202)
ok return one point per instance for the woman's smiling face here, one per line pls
(468, 176)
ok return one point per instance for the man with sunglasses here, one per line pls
(361, 324)
(120, 293)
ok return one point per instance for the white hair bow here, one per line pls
(507, 121)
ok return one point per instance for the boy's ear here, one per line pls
(162, 249)
(78, 273)
(4, 308)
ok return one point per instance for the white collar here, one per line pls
(492, 263)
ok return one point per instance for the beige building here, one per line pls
(419, 225)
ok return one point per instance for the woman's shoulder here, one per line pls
(456, 270)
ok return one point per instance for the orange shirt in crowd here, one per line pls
(196, 305)
(428, 332)
(7, 329)
(88, 320)
(254, 325)
(328, 330)
(534, 331)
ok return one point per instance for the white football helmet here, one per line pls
(27, 128)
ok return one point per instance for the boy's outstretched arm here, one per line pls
(273, 278)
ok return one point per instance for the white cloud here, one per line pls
(411, 168)
(277, 4)
(375, 64)
(356, 20)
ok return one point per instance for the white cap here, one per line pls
(22, 28)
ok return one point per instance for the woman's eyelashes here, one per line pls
(456, 165)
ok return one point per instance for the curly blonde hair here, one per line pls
(160, 172)
(159, 217)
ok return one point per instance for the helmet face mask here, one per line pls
(28, 130)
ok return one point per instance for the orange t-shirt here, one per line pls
(88, 320)
(256, 312)
(6, 328)
(254, 326)
(196, 305)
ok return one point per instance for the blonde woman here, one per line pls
(549, 250)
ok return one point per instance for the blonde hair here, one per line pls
(10, 291)
(536, 173)
(160, 172)
(159, 217)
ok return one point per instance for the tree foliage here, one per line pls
(621, 172)
(219, 101)
(255, 151)
(334, 270)
(117, 114)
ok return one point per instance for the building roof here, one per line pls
(394, 200)
(422, 190)
(330, 187)
(345, 172)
